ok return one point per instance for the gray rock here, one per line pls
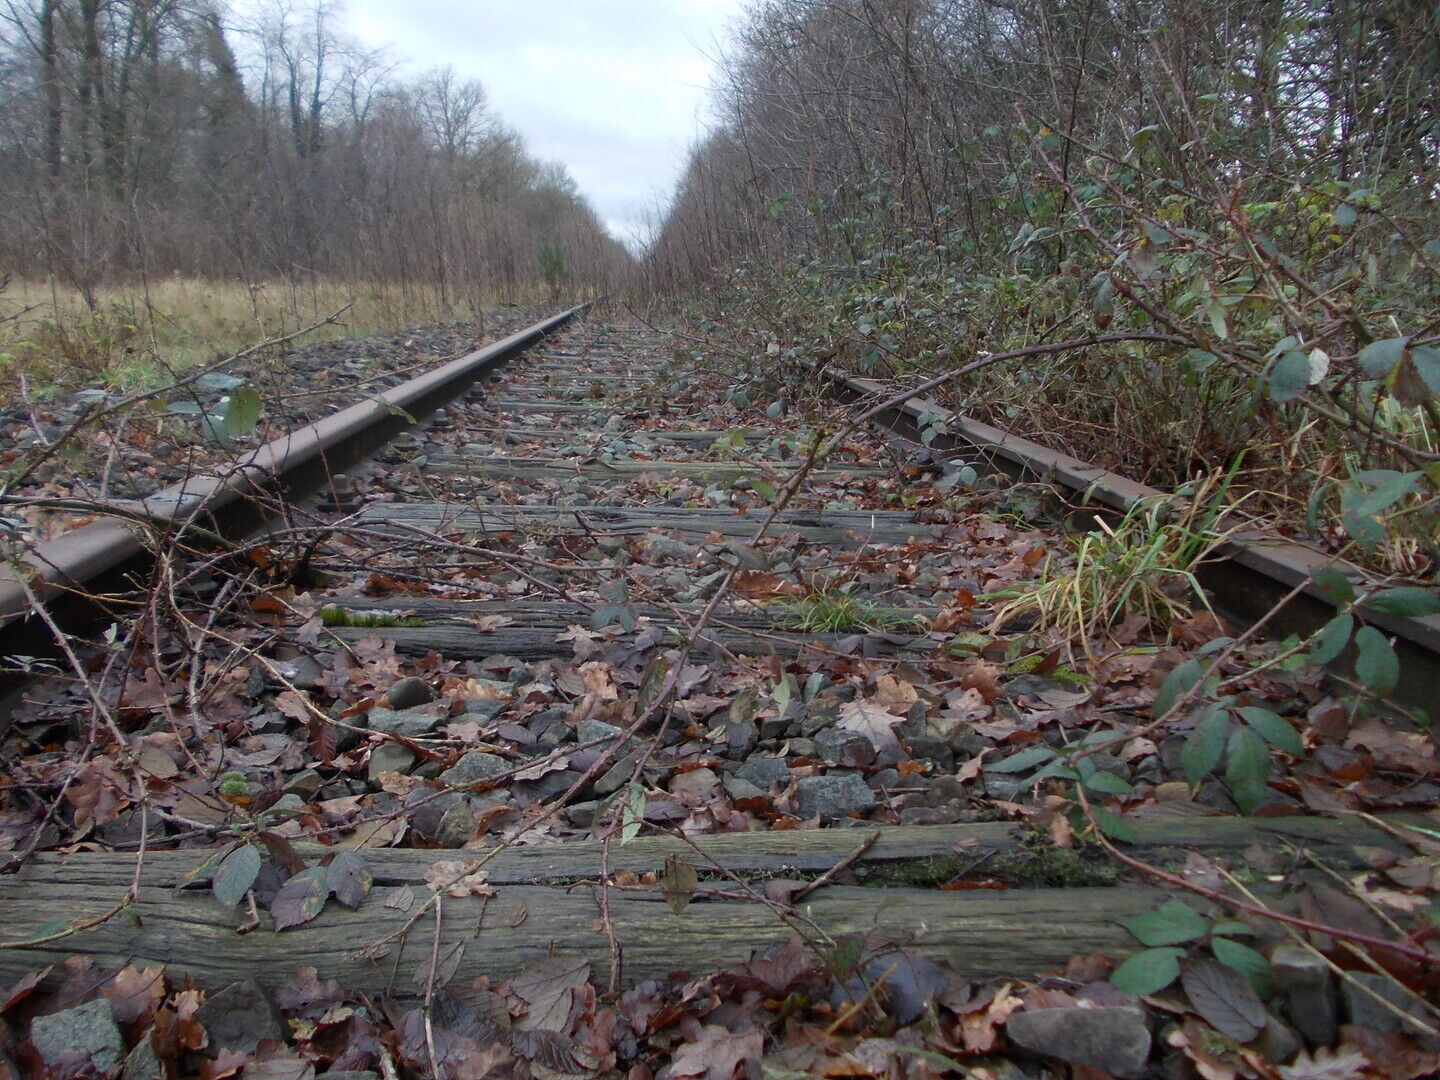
(269, 722)
(741, 737)
(428, 807)
(581, 814)
(591, 730)
(304, 783)
(749, 558)
(87, 1029)
(1004, 786)
(408, 693)
(476, 765)
(618, 775)
(833, 795)
(885, 778)
(456, 827)
(936, 751)
(389, 757)
(1115, 1040)
(410, 724)
(802, 748)
(303, 672)
(841, 747)
(739, 789)
(127, 827)
(930, 815)
(1309, 992)
(818, 718)
(695, 782)
(1278, 1042)
(350, 730)
(142, 1063)
(547, 786)
(660, 548)
(764, 771)
(1364, 1010)
(239, 1016)
(485, 708)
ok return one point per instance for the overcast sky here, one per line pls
(613, 89)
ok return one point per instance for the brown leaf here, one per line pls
(548, 987)
(136, 994)
(872, 720)
(717, 1053)
(301, 898)
(1342, 1064)
(459, 878)
(294, 704)
(758, 585)
(679, 881)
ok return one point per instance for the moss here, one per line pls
(1033, 865)
(336, 616)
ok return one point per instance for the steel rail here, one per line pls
(1253, 573)
(71, 572)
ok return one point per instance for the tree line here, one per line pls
(1244, 192)
(172, 137)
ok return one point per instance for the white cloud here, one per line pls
(614, 89)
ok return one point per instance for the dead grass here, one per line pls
(53, 341)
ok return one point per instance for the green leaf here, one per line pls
(1335, 585)
(1275, 730)
(1426, 359)
(236, 874)
(1205, 746)
(632, 813)
(1405, 600)
(1114, 826)
(301, 898)
(1332, 639)
(241, 412)
(1289, 377)
(1346, 216)
(1023, 761)
(1108, 783)
(1232, 927)
(1363, 503)
(1376, 664)
(1247, 962)
(1380, 357)
(1172, 923)
(1148, 972)
(1247, 767)
(1180, 680)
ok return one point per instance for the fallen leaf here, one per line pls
(872, 720)
(456, 878)
(717, 1053)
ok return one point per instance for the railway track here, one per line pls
(557, 611)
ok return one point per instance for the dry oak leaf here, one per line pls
(1326, 1065)
(135, 993)
(758, 585)
(872, 720)
(715, 1055)
(456, 878)
(897, 695)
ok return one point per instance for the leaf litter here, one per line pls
(945, 718)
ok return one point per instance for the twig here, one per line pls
(837, 869)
